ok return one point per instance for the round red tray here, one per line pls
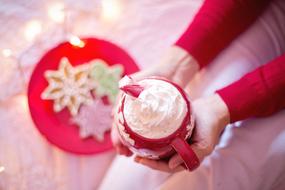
(56, 127)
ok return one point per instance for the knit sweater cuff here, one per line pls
(244, 98)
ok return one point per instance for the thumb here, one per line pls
(133, 78)
(152, 71)
(114, 135)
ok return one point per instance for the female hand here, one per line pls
(211, 116)
(176, 65)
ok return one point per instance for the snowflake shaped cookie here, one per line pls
(94, 120)
(68, 86)
(106, 79)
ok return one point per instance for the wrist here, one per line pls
(219, 109)
(176, 55)
(182, 56)
(180, 65)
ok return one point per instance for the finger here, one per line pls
(120, 148)
(116, 106)
(165, 68)
(175, 161)
(158, 165)
(178, 169)
(145, 73)
(154, 164)
(123, 150)
(114, 135)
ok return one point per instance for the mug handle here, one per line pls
(189, 157)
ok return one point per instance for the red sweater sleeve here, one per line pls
(216, 24)
(259, 93)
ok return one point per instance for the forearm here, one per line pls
(259, 93)
(217, 24)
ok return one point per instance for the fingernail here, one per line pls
(137, 159)
(118, 150)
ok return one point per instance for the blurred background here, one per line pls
(28, 29)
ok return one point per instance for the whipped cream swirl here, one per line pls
(157, 112)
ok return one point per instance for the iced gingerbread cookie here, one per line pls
(68, 86)
(94, 120)
(106, 79)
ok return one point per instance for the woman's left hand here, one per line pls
(211, 116)
(177, 65)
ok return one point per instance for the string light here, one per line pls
(76, 41)
(7, 52)
(56, 12)
(33, 29)
(2, 169)
(111, 9)
(22, 99)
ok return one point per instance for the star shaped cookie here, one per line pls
(106, 79)
(68, 86)
(94, 120)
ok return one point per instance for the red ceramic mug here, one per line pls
(157, 148)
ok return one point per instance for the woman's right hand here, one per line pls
(211, 117)
(176, 65)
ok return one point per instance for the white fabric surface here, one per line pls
(144, 27)
(250, 156)
(32, 163)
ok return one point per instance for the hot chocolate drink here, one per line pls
(154, 119)
(157, 112)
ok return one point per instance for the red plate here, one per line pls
(56, 126)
